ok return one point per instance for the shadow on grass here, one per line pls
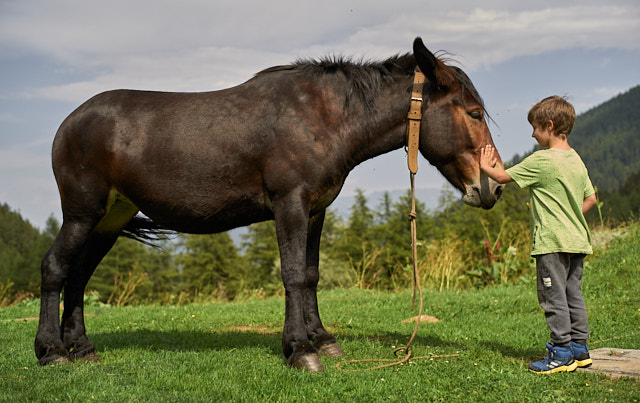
(184, 340)
(216, 340)
(524, 355)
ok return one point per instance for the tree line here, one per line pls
(459, 247)
(607, 139)
(368, 249)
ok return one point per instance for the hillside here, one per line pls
(608, 139)
(21, 249)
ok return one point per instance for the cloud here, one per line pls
(487, 37)
(80, 48)
(124, 27)
(187, 70)
(199, 45)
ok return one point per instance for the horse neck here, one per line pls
(381, 129)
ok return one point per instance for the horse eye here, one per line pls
(476, 114)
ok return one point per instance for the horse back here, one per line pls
(195, 162)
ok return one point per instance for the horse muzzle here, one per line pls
(484, 193)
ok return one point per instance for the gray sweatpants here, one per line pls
(560, 295)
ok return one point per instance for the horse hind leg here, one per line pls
(56, 265)
(100, 241)
(78, 248)
(72, 326)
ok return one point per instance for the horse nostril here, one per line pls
(498, 191)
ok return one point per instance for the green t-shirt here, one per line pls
(558, 183)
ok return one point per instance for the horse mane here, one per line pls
(366, 76)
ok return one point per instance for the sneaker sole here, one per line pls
(565, 368)
(584, 363)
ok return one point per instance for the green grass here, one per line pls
(231, 351)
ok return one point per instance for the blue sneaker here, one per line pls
(581, 355)
(560, 359)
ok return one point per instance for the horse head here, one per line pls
(454, 129)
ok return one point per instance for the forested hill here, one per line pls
(22, 247)
(607, 138)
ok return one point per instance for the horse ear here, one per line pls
(436, 71)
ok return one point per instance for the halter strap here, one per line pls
(413, 125)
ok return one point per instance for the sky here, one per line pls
(54, 55)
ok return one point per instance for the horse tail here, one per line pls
(145, 230)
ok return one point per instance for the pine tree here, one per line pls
(261, 257)
(208, 264)
(21, 251)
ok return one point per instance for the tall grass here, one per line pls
(451, 262)
(443, 264)
(124, 287)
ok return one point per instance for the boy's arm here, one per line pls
(488, 162)
(589, 202)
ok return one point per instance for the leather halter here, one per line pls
(413, 125)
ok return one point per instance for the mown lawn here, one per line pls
(231, 351)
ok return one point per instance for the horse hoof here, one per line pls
(332, 350)
(308, 362)
(60, 360)
(89, 357)
(55, 361)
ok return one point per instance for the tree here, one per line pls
(209, 264)
(261, 268)
(22, 248)
(51, 228)
(619, 205)
(395, 235)
(124, 266)
(356, 237)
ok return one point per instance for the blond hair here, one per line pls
(556, 109)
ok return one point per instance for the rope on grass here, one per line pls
(406, 351)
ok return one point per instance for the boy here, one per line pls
(560, 194)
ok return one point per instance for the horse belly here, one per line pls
(191, 211)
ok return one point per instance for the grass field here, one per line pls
(231, 351)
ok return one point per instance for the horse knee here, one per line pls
(54, 274)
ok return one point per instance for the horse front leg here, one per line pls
(292, 221)
(323, 341)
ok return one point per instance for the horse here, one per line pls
(277, 147)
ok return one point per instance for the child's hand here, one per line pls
(488, 157)
(488, 165)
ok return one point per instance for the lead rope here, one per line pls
(413, 132)
(417, 291)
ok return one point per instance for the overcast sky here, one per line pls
(56, 54)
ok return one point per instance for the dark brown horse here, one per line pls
(277, 147)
